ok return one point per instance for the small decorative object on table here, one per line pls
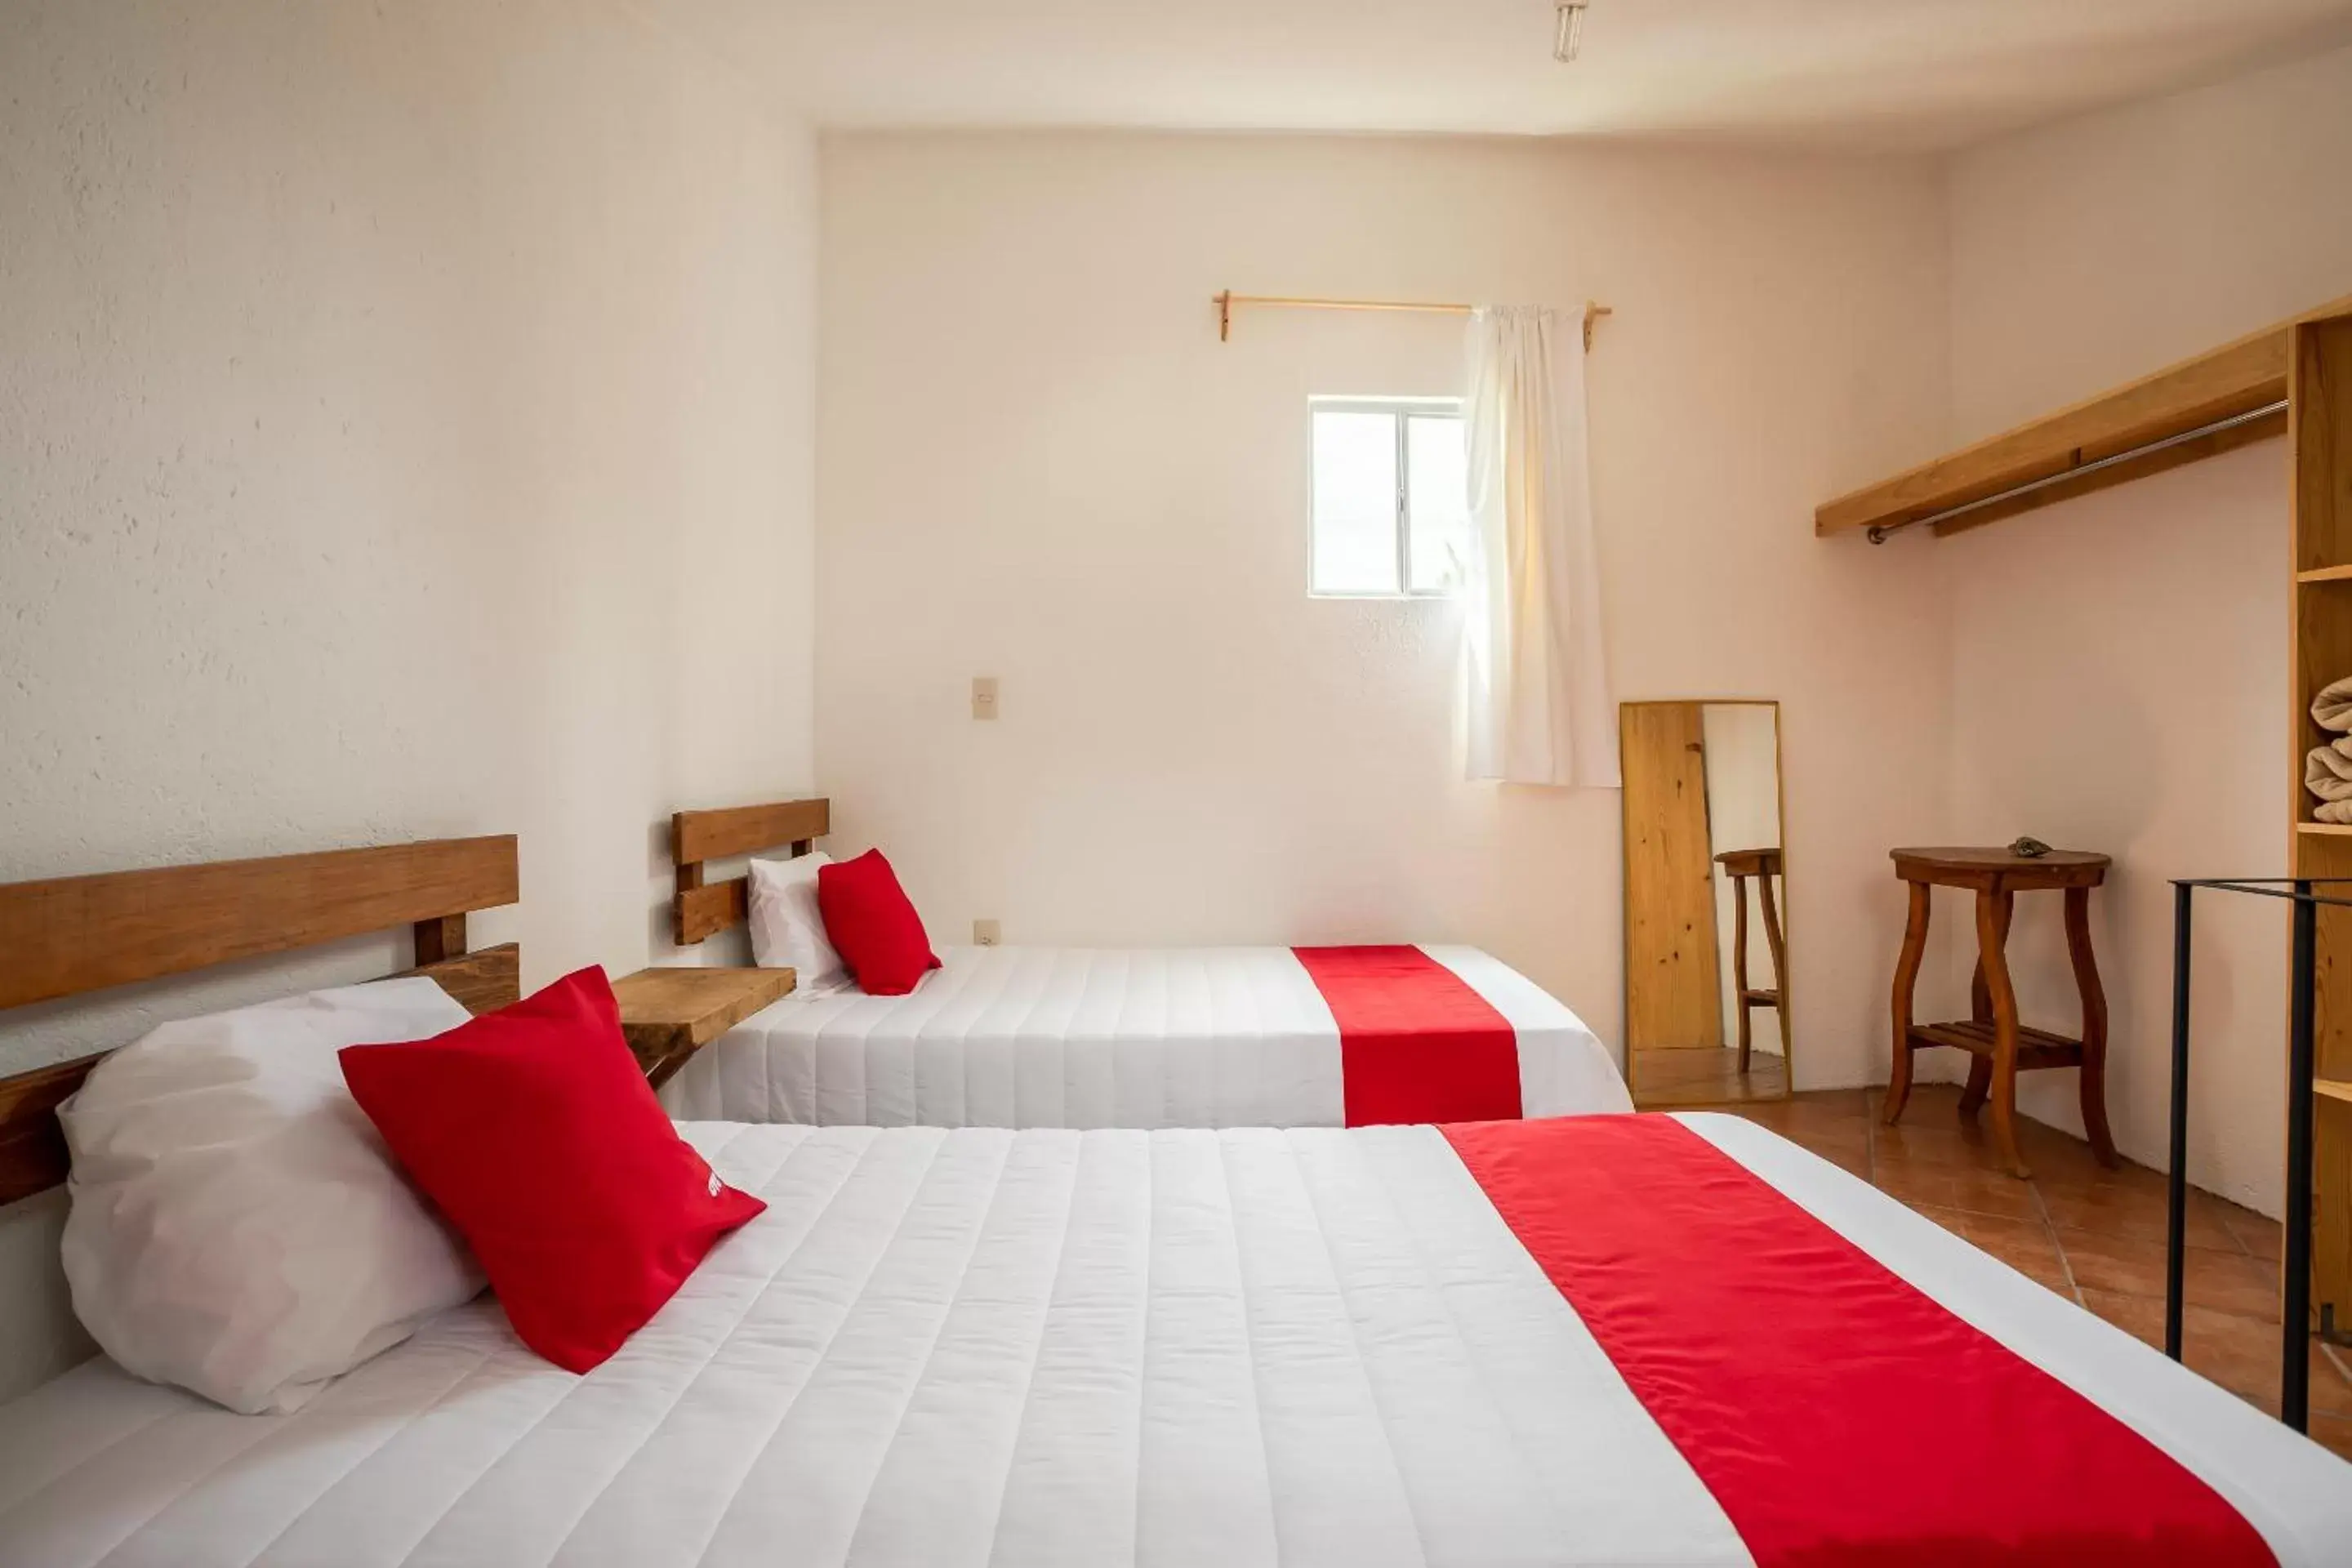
(668, 1014)
(1991, 1033)
(2029, 849)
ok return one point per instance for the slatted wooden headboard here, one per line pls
(703, 910)
(77, 935)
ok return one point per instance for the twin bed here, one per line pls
(1083, 1038)
(1316, 1347)
(1602, 1339)
(1151, 1037)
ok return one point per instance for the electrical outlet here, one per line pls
(984, 697)
(986, 933)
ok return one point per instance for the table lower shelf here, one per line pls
(2036, 1048)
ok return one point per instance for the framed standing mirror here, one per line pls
(1706, 950)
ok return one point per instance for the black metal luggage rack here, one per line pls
(2294, 1310)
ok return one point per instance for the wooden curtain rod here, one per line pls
(1228, 299)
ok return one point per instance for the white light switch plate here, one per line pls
(984, 697)
(986, 933)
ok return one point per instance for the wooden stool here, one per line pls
(1763, 865)
(2000, 1045)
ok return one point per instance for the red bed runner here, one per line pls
(1838, 1414)
(1417, 1043)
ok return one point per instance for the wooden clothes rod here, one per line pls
(1228, 299)
(1880, 532)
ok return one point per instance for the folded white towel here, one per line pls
(2327, 771)
(2332, 709)
(2333, 811)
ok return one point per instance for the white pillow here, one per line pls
(787, 929)
(238, 1228)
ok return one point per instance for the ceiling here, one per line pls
(1895, 75)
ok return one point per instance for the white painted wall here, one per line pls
(1037, 462)
(2119, 663)
(1743, 812)
(407, 417)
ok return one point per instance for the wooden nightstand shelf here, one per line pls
(668, 1014)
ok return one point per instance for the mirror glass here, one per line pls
(1706, 962)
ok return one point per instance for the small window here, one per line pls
(1391, 498)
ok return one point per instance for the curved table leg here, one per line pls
(1779, 946)
(1906, 980)
(1979, 1084)
(2003, 997)
(1972, 1098)
(2094, 1024)
(1740, 962)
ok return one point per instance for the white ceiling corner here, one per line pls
(1854, 74)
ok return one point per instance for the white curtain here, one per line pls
(1538, 692)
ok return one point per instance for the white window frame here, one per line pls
(1400, 411)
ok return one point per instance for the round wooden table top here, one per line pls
(1750, 862)
(1966, 865)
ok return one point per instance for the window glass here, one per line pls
(1355, 502)
(1437, 501)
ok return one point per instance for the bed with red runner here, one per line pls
(1600, 1339)
(1836, 1411)
(1237, 1036)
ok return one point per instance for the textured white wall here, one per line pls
(2119, 663)
(405, 414)
(1037, 462)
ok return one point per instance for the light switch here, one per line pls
(984, 697)
(986, 933)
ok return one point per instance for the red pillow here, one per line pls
(533, 1129)
(871, 923)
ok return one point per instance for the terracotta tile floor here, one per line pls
(2094, 1236)
(1707, 1076)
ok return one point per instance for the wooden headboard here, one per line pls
(77, 935)
(703, 910)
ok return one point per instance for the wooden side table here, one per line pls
(2002, 1046)
(1763, 865)
(668, 1014)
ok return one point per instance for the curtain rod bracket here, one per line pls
(1592, 312)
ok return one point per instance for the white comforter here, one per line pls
(1190, 1349)
(1041, 1036)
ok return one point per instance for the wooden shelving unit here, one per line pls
(2305, 363)
(2320, 424)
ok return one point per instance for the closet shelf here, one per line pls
(2331, 1088)
(2325, 829)
(2233, 382)
(2325, 574)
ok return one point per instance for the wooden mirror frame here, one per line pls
(1630, 836)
